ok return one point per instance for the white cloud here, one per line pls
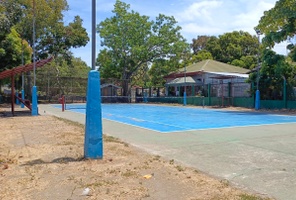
(250, 18)
(193, 29)
(220, 16)
(198, 10)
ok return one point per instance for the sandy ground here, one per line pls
(42, 158)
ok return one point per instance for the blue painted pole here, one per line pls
(257, 100)
(185, 99)
(93, 143)
(17, 101)
(34, 101)
(23, 97)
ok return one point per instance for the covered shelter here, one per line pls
(19, 70)
(109, 89)
(197, 75)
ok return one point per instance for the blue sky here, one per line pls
(196, 17)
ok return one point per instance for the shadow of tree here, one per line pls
(16, 113)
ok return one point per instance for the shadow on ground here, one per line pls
(62, 160)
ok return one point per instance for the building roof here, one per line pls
(109, 85)
(209, 66)
(228, 75)
(182, 81)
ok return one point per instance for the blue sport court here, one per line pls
(167, 119)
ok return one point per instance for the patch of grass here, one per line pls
(101, 183)
(251, 197)
(70, 122)
(108, 138)
(157, 157)
(129, 173)
(172, 161)
(225, 183)
(180, 168)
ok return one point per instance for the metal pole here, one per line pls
(23, 76)
(34, 38)
(258, 60)
(257, 98)
(93, 58)
(184, 95)
(34, 88)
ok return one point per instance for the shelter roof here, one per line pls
(183, 81)
(225, 75)
(24, 68)
(209, 66)
(109, 85)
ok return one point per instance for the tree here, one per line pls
(59, 78)
(248, 62)
(200, 56)
(10, 14)
(53, 37)
(213, 46)
(274, 69)
(11, 49)
(199, 43)
(235, 46)
(132, 40)
(279, 24)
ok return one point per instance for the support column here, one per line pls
(34, 101)
(93, 143)
(257, 100)
(23, 97)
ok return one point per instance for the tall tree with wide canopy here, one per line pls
(12, 46)
(131, 40)
(236, 46)
(199, 43)
(274, 70)
(279, 24)
(53, 37)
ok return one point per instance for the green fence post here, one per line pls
(209, 94)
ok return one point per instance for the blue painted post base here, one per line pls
(34, 101)
(17, 101)
(23, 97)
(93, 140)
(257, 100)
(185, 99)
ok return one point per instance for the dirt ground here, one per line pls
(42, 158)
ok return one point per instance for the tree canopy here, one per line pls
(279, 24)
(53, 37)
(131, 41)
(238, 48)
